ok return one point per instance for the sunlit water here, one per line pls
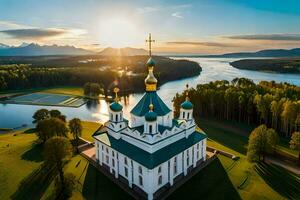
(14, 115)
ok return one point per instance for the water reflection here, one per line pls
(15, 115)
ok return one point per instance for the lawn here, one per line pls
(250, 180)
(20, 161)
(19, 157)
(21, 176)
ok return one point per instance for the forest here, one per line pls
(276, 105)
(279, 65)
(127, 71)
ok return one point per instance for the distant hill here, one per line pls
(41, 50)
(267, 53)
(279, 65)
(128, 51)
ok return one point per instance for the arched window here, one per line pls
(111, 116)
(160, 180)
(141, 180)
(150, 128)
(140, 170)
(188, 115)
(117, 117)
(183, 114)
(121, 116)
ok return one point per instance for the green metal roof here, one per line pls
(150, 62)
(115, 106)
(151, 116)
(142, 107)
(187, 105)
(147, 159)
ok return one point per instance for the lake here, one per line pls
(15, 115)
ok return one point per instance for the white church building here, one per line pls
(153, 149)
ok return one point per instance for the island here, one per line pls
(275, 65)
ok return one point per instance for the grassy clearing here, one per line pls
(19, 157)
(88, 129)
(244, 176)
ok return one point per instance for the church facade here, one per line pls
(153, 149)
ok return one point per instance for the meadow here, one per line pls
(21, 169)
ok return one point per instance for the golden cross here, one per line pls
(116, 90)
(149, 41)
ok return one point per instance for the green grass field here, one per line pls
(22, 178)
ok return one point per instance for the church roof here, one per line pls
(150, 160)
(187, 105)
(142, 107)
(150, 116)
(115, 106)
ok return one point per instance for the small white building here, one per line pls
(153, 150)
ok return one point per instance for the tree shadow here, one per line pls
(29, 131)
(35, 184)
(34, 154)
(98, 186)
(282, 181)
(231, 140)
(212, 182)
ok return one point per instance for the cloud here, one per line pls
(278, 37)
(207, 44)
(147, 9)
(177, 15)
(9, 25)
(40, 33)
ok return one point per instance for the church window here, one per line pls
(106, 150)
(183, 114)
(159, 169)
(150, 128)
(107, 159)
(111, 116)
(102, 146)
(113, 162)
(141, 180)
(198, 146)
(197, 154)
(175, 165)
(125, 161)
(121, 116)
(140, 170)
(117, 117)
(113, 153)
(120, 125)
(160, 180)
(188, 115)
(126, 171)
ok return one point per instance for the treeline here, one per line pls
(276, 105)
(128, 72)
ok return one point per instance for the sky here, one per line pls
(192, 27)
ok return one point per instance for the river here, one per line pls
(15, 115)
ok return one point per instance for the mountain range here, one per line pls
(33, 49)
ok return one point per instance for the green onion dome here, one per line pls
(115, 106)
(150, 62)
(187, 105)
(151, 116)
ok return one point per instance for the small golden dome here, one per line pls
(150, 80)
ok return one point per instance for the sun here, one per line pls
(118, 32)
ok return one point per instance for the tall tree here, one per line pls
(57, 151)
(295, 143)
(40, 115)
(48, 128)
(76, 129)
(261, 141)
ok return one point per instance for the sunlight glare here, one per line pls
(118, 32)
